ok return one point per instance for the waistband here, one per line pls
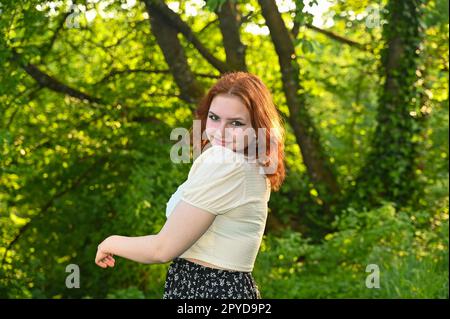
(185, 262)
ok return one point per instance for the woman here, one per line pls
(216, 218)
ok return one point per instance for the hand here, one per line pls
(104, 258)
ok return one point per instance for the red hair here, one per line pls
(257, 98)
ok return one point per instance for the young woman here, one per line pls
(216, 218)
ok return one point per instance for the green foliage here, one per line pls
(215, 5)
(392, 170)
(128, 293)
(73, 172)
(413, 259)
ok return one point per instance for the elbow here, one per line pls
(162, 257)
(159, 257)
(161, 254)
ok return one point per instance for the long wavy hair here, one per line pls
(257, 98)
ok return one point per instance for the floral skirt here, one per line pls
(188, 280)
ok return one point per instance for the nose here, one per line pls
(222, 131)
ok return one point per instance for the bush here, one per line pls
(412, 258)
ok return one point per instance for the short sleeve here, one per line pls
(215, 182)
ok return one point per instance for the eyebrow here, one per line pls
(231, 118)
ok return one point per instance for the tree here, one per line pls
(390, 170)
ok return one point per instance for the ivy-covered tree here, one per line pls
(390, 173)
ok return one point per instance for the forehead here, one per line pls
(228, 106)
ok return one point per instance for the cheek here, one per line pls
(210, 124)
(211, 127)
(242, 136)
(237, 134)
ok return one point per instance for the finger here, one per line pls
(99, 256)
(108, 262)
(99, 259)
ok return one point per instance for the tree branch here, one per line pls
(167, 39)
(48, 47)
(115, 72)
(45, 80)
(229, 23)
(160, 9)
(336, 37)
(210, 23)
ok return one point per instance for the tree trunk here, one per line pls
(229, 23)
(167, 38)
(389, 172)
(317, 163)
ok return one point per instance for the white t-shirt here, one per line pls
(228, 185)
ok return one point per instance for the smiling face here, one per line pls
(228, 122)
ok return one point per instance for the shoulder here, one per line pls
(216, 181)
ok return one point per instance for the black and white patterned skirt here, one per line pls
(188, 280)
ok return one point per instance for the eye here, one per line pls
(213, 117)
(237, 123)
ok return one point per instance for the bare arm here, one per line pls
(182, 229)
